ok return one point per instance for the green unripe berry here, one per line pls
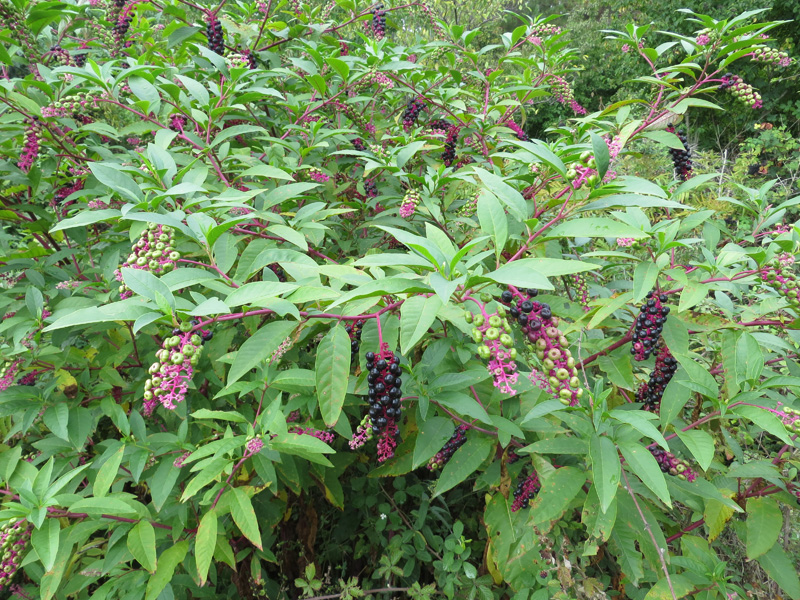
(177, 358)
(484, 352)
(492, 333)
(506, 340)
(495, 321)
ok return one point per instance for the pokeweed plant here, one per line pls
(260, 258)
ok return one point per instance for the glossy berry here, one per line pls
(526, 490)
(650, 393)
(383, 388)
(648, 326)
(681, 159)
(672, 465)
(455, 442)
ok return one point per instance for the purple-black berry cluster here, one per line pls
(384, 393)
(526, 490)
(216, 39)
(649, 325)
(681, 159)
(449, 154)
(672, 465)
(354, 331)
(650, 393)
(458, 439)
(410, 115)
(377, 26)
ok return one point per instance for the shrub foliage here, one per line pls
(293, 305)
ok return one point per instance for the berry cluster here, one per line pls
(171, 372)
(549, 345)
(370, 188)
(581, 290)
(455, 442)
(681, 159)
(358, 144)
(584, 170)
(545, 29)
(216, 39)
(316, 175)
(384, 384)
(525, 491)
(495, 344)
(154, 252)
(470, 205)
(705, 37)
(8, 373)
(449, 154)
(325, 436)
(650, 393)
(14, 539)
(790, 418)
(779, 275)
(437, 30)
(521, 135)
(363, 433)
(413, 108)
(743, 92)
(278, 270)
(771, 56)
(439, 126)
(409, 204)
(649, 325)
(30, 150)
(672, 465)
(377, 26)
(564, 94)
(121, 27)
(354, 331)
(71, 105)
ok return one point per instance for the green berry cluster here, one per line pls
(154, 251)
(779, 275)
(499, 329)
(14, 539)
(771, 56)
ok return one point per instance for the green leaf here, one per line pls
(521, 275)
(45, 542)
(108, 473)
(619, 369)
(596, 227)
(205, 543)
(644, 279)
(507, 194)
(167, 563)
(332, 370)
(464, 463)
(667, 138)
(142, 544)
(606, 469)
(254, 294)
(244, 516)
(96, 507)
(557, 493)
(764, 523)
(764, 419)
(117, 180)
(749, 359)
(663, 590)
(433, 434)
(782, 569)
(493, 220)
(700, 444)
(259, 347)
(601, 155)
(125, 310)
(221, 415)
(87, 217)
(672, 402)
(146, 284)
(417, 315)
(407, 153)
(641, 423)
(644, 465)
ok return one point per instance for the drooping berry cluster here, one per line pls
(359, 145)
(363, 433)
(581, 290)
(370, 188)
(548, 344)
(771, 56)
(705, 37)
(30, 151)
(744, 92)
(681, 159)
(526, 490)
(492, 333)
(564, 94)
(377, 25)
(439, 126)
(316, 175)
(413, 108)
(325, 436)
(455, 442)
(650, 393)
(779, 275)
(518, 131)
(122, 26)
(545, 29)
(76, 105)
(469, 207)
(354, 331)
(449, 154)
(171, 372)
(8, 374)
(384, 392)
(216, 39)
(672, 465)
(583, 171)
(14, 539)
(790, 418)
(410, 202)
(154, 252)
(649, 325)
(279, 272)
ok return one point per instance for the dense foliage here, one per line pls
(293, 306)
